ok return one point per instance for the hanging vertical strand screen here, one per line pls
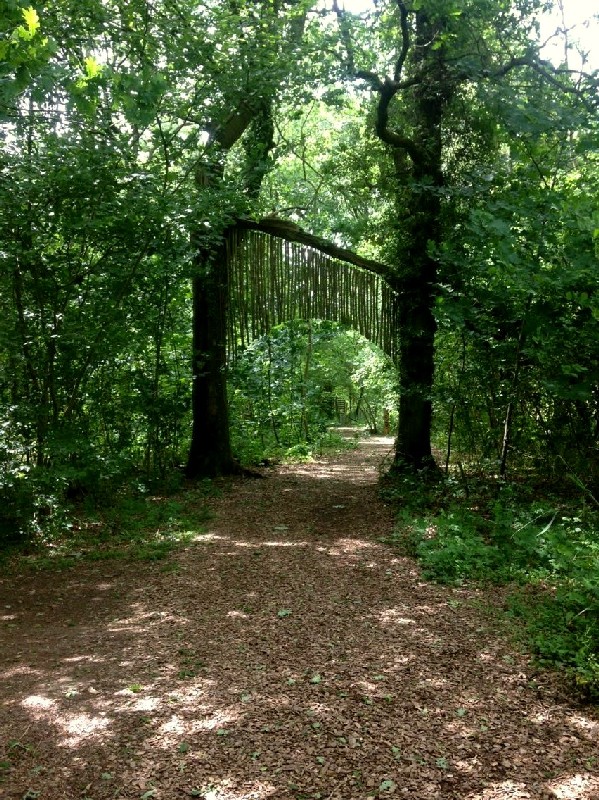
(272, 280)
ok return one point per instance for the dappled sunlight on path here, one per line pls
(289, 654)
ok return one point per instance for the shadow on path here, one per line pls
(285, 654)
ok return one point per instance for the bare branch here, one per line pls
(547, 71)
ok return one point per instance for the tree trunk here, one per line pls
(210, 453)
(210, 450)
(415, 316)
(421, 231)
(415, 363)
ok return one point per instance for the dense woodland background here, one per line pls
(429, 136)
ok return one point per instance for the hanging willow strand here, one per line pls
(273, 281)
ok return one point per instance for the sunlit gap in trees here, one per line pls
(357, 6)
(570, 32)
(572, 27)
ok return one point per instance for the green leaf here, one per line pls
(92, 68)
(184, 747)
(315, 678)
(32, 24)
(284, 612)
(32, 19)
(387, 786)
(148, 794)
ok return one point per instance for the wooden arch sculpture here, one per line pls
(278, 272)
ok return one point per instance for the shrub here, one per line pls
(450, 547)
(550, 557)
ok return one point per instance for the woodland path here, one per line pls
(286, 654)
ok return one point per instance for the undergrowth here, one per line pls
(136, 525)
(546, 551)
(253, 451)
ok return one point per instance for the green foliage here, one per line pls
(562, 617)
(563, 630)
(451, 547)
(136, 525)
(25, 50)
(285, 386)
(331, 173)
(548, 556)
(518, 351)
(31, 498)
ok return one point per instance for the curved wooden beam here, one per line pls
(291, 232)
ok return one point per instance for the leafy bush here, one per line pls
(451, 547)
(561, 614)
(455, 551)
(30, 497)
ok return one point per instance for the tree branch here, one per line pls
(387, 88)
(290, 232)
(546, 70)
(233, 127)
(387, 92)
(405, 40)
(371, 78)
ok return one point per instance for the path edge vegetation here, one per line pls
(540, 548)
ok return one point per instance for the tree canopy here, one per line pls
(427, 140)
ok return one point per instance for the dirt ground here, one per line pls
(287, 654)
